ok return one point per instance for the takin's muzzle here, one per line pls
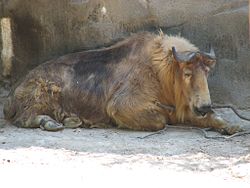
(203, 110)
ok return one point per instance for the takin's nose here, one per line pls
(203, 110)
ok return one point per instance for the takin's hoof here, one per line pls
(72, 122)
(51, 126)
(230, 130)
(225, 127)
(47, 123)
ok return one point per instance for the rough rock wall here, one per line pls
(43, 29)
(1, 15)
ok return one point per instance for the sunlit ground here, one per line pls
(39, 167)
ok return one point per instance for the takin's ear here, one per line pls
(210, 58)
(210, 63)
(182, 57)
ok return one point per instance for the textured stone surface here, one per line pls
(44, 29)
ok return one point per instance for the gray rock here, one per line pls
(46, 29)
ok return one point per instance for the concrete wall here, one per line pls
(43, 29)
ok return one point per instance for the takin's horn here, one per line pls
(211, 54)
(182, 57)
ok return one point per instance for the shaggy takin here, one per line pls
(127, 85)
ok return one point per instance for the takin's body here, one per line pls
(119, 85)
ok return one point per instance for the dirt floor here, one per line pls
(111, 157)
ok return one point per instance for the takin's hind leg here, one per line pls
(139, 115)
(45, 122)
(144, 121)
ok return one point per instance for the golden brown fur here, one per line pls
(119, 85)
(163, 62)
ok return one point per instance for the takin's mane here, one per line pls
(163, 62)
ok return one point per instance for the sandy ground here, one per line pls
(118, 158)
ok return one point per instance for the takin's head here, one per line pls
(193, 68)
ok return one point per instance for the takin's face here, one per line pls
(194, 68)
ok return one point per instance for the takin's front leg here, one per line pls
(217, 123)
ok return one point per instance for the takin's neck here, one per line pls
(171, 92)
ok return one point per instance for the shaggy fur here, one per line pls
(165, 67)
(118, 85)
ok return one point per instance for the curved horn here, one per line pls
(211, 54)
(183, 56)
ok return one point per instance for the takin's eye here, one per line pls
(188, 73)
(210, 63)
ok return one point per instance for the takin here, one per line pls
(127, 85)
